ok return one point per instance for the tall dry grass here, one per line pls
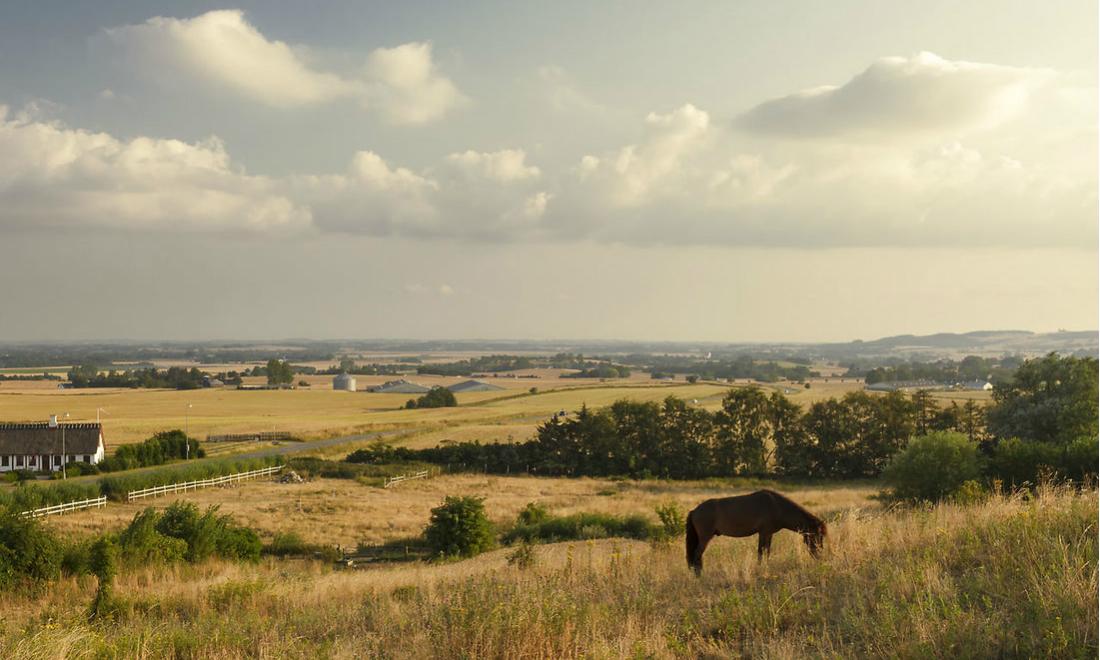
(1012, 576)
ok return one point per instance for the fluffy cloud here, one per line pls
(504, 166)
(404, 82)
(897, 96)
(221, 48)
(992, 178)
(54, 176)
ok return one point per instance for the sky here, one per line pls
(751, 171)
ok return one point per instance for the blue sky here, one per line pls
(769, 170)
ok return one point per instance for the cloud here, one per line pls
(897, 96)
(504, 166)
(54, 176)
(404, 82)
(1027, 179)
(222, 49)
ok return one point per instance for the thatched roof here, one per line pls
(40, 438)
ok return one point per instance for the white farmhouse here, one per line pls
(40, 447)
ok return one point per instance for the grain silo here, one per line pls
(343, 382)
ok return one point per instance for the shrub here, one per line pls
(1016, 462)
(933, 467)
(437, 397)
(459, 528)
(28, 550)
(532, 514)
(104, 564)
(523, 557)
(580, 526)
(157, 450)
(140, 543)
(672, 519)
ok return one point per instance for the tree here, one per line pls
(459, 528)
(933, 467)
(1051, 399)
(744, 429)
(279, 372)
(437, 397)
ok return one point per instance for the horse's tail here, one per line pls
(692, 540)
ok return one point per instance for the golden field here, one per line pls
(344, 512)
(131, 415)
(1012, 576)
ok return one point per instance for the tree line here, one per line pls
(1048, 410)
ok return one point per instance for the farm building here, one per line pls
(978, 385)
(399, 387)
(343, 383)
(39, 446)
(473, 386)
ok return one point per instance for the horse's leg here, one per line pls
(704, 539)
(764, 545)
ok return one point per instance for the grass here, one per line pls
(1011, 576)
(346, 512)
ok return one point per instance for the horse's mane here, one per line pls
(794, 505)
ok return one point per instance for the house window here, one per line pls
(87, 458)
(4, 461)
(18, 461)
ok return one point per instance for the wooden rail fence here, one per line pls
(183, 486)
(423, 474)
(259, 436)
(95, 502)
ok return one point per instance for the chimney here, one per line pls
(53, 421)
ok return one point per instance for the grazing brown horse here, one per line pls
(764, 512)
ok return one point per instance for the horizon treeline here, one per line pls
(1048, 411)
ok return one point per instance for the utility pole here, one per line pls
(64, 456)
(186, 429)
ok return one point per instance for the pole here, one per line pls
(186, 430)
(64, 472)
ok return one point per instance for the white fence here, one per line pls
(423, 474)
(157, 491)
(95, 502)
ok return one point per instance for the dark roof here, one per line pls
(39, 438)
(473, 386)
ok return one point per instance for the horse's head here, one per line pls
(814, 536)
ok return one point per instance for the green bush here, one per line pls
(163, 447)
(1017, 462)
(532, 514)
(580, 526)
(459, 528)
(140, 543)
(933, 467)
(29, 495)
(673, 521)
(29, 551)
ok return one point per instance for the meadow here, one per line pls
(1010, 576)
(132, 415)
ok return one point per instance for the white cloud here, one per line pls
(504, 166)
(54, 176)
(223, 49)
(685, 179)
(405, 84)
(897, 96)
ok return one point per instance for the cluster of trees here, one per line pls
(601, 371)
(1051, 405)
(477, 365)
(437, 397)
(971, 367)
(348, 366)
(42, 376)
(724, 368)
(157, 450)
(279, 372)
(180, 378)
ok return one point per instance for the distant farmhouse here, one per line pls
(905, 386)
(343, 383)
(399, 387)
(977, 385)
(38, 446)
(473, 386)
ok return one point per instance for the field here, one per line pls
(1009, 577)
(344, 512)
(319, 412)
